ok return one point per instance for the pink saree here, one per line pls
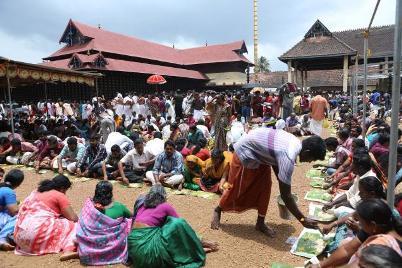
(39, 230)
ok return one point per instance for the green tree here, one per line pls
(262, 66)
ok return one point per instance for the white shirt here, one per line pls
(166, 132)
(155, 146)
(353, 193)
(117, 138)
(266, 146)
(280, 124)
(133, 158)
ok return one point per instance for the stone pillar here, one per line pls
(302, 80)
(305, 80)
(345, 73)
(290, 71)
(295, 74)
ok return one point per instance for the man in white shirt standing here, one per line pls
(135, 163)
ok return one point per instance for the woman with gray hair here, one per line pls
(160, 238)
(379, 256)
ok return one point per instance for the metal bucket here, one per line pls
(284, 213)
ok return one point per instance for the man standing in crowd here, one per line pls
(318, 111)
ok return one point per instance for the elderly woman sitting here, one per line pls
(160, 238)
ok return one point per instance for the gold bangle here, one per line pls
(301, 220)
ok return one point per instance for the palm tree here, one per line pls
(262, 66)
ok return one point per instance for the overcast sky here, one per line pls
(30, 30)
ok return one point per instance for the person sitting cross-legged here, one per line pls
(46, 221)
(195, 135)
(69, 157)
(167, 168)
(215, 171)
(293, 124)
(192, 172)
(48, 155)
(9, 207)
(110, 169)
(21, 152)
(136, 162)
(160, 238)
(90, 163)
(102, 228)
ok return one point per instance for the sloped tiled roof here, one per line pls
(107, 41)
(134, 67)
(349, 42)
(381, 40)
(318, 46)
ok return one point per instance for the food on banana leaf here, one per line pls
(314, 173)
(316, 213)
(317, 182)
(318, 195)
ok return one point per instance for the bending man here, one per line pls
(250, 173)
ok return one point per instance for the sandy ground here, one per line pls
(240, 244)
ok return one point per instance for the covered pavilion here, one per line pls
(321, 49)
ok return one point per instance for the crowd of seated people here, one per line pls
(162, 143)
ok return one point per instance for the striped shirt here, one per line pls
(168, 164)
(264, 146)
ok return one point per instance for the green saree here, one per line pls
(188, 178)
(175, 244)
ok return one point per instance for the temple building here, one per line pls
(322, 50)
(126, 62)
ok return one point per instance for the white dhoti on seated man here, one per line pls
(21, 152)
(70, 166)
(22, 159)
(167, 168)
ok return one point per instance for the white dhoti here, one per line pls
(69, 165)
(172, 180)
(21, 159)
(316, 127)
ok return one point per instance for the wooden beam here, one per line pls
(345, 74)
(9, 99)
